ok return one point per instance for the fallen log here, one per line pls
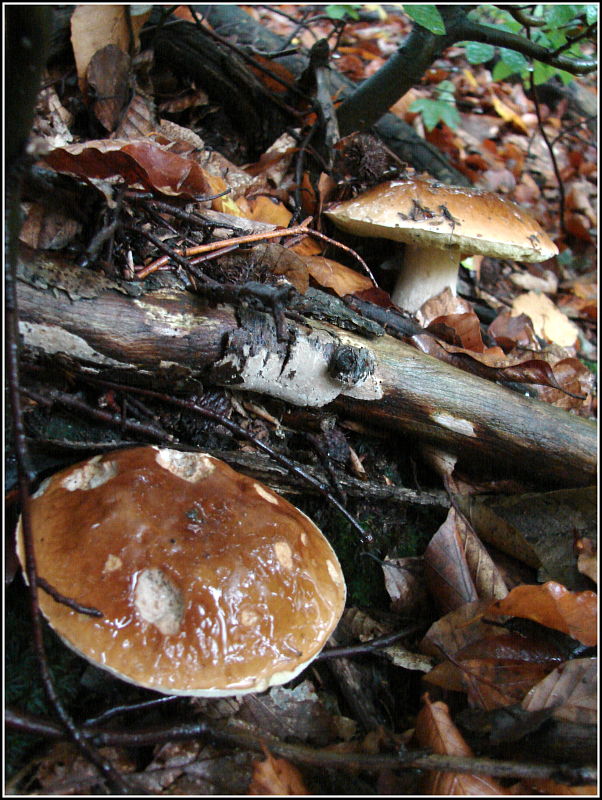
(380, 381)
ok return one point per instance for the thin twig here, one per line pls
(74, 403)
(561, 195)
(248, 239)
(67, 601)
(365, 537)
(114, 780)
(366, 647)
(301, 754)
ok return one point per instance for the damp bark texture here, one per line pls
(377, 380)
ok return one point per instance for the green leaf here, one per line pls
(427, 16)
(516, 61)
(560, 13)
(542, 72)
(340, 11)
(435, 111)
(501, 71)
(478, 52)
(450, 115)
(591, 14)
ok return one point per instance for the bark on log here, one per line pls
(65, 309)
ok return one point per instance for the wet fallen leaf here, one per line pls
(512, 331)
(458, 629)
(574, 613)
(492, 364)
(495, 683)
(139, 164)
(436, 730)
(108, 76)
(571, 690)
(276, 776)
(512, 647)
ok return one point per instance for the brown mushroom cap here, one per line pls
(431, 214)
(209, 583)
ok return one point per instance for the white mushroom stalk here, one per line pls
(423, 273)
(438, 224)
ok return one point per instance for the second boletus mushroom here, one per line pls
(209, 583)
(440, 224)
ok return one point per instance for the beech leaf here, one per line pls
(574, 613)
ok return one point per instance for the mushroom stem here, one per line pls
(424, 272)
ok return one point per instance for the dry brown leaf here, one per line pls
(492, 683)
(447, 676)
(297, 712)
(574, 613)
(138, 119)
(307, 247)
(537, 527)
(94, 27)
(332, 275)
(47, 230)
(458, 629)
(142, 163)
(276, 776)
(574, 377)
(283, 261)
(549, 322)
(404, 581)
(512, 331)
(64, 771)
(435, 729)
(462, 330)
(274, 163)
(108, 76)
(442, 304)
(265, 209)
(572, 688)
(546, 283)
(458, 569)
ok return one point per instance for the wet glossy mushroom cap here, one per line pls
(209, 583)
(439, 224)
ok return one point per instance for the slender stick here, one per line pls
(366, 538)
(320, 757)
(248, 239)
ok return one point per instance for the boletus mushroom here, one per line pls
(440, 224)
(209, 583)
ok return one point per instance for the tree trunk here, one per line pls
(379, 381)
